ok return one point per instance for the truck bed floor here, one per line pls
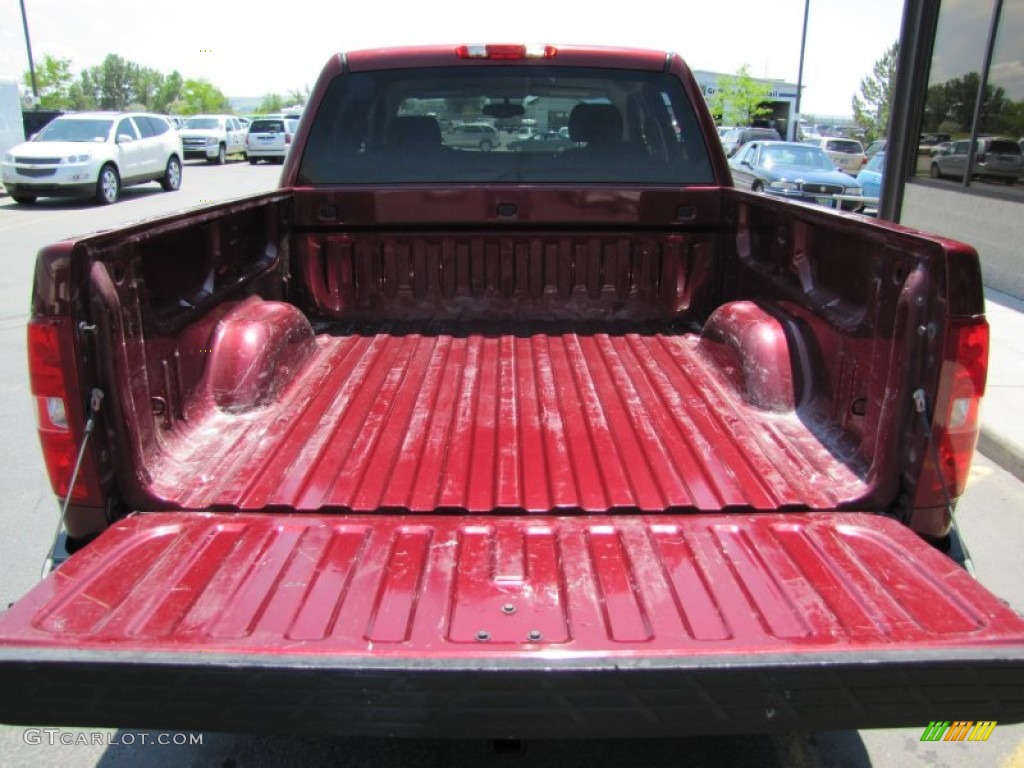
(574, 422)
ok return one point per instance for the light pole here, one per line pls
(28, 45)
(800, 72)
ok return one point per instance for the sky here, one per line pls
(249, 49)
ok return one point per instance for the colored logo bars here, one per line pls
(959, 730)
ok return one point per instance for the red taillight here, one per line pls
(503, 51)
(59, 419)
(955, 421)
(287, 138)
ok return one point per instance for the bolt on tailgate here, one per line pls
(481, 624)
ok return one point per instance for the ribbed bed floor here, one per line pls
(525, 423)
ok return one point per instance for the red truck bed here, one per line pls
(504, 423)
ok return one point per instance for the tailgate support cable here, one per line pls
(95, 402)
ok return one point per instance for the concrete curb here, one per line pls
(1007, 453)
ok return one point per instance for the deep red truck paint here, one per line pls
(515, 434)
(479, 423)
(513, 587)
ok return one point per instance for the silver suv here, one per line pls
(994, 158)
(93, 154)
(473, 136)
(212, 137)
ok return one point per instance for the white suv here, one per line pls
(847, 154)
(93, 154)
(212, 137)
(270, 138)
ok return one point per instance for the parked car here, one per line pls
(936, 149)
(876, 146)
(93, 154)
(846, 154)
(793, 170)
(473, 136)
(524, 132)
(737, 137)
(806, 132)
(270, 138)
(926, 141)
(870, 177)
(212, 137)
(548, 141)
(994, 158)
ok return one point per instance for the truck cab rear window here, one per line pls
(496, 124)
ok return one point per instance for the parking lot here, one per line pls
(989, 513)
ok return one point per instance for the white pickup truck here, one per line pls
(213, 137)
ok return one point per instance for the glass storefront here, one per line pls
(977, 49)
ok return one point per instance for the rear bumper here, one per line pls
(257, 151)
(537, 698)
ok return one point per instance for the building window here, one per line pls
(1003, 110)
(965, 57)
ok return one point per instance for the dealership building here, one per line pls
(781, 99)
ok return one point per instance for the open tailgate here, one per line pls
(509, 626)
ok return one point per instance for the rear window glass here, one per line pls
(848, 147)
(1006, 147)
(266, 126)
(394, 126)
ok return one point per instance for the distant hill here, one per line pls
(244, 104)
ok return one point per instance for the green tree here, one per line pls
(297, 97)
(200, 96)
(53, 78)
(118, 82)
(147, 85)
(949, 108)
(464, 106)
(272, 102)
(82, 94)
(168, 92)
(872, 111)
(739, 99)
